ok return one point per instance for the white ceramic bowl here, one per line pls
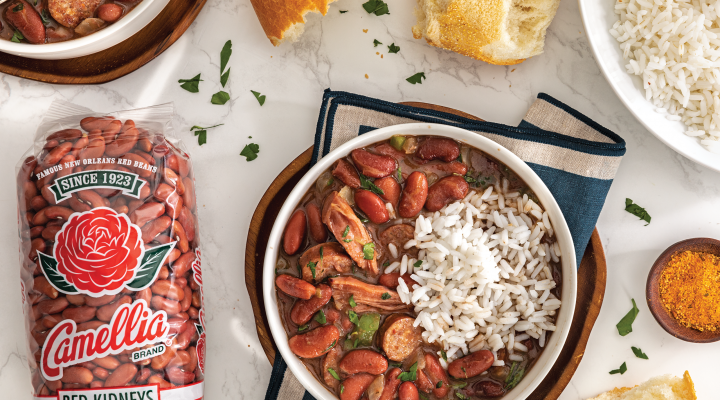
(598, 17)
(569, 284)
(126, 27)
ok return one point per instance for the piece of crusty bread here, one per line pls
(666, 387)
(285, 19)
(502, 32)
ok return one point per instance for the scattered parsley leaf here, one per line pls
(638, 353)
(312, 265)
(376, 43)
(409, 375)
(367, 184)
(444, 355)
(637, 211)
(439, 384)
(418, 264)
(343, 11)
(17, 36)
(320, 317)
(625, 325)
(352, 302)
(417, 78)
(191, 85)
(399, 174)
(45, 16)
(347, 240)
(353, 317)
(459, 385)
(377, 7)
(621, 370)
(19, 7)
(201, 133)
(386, 263)
(250, 151)
(392, 49)
(461, 396)
(347, 230)
(333, 373)
(514, 376)
(220, 98)
(342, 389)
(385, 296)
(303, 327)
(201, 127)
(369, 250)
(260, 97)
(331, 345)
(224, 77)
(225, 55)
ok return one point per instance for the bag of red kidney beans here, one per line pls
(110, 259)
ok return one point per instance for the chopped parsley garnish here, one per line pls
(392, 49)
(621, 370)
(321, 253)
(352, 302)
(353, 317)
(320, 317)
(17, 36)
(369, 250)
(637, 211)
(409, 375)
(220, 98)
(250, 151)
(191, 85)
(444, 355)
(439, 384)
(385, 296)
(377, 7)
(459, 385)
(343, 11)
(417, 78)
(514, 376)
(399, 173)
(367, 184)
(342, 389)
(638, 353)
(461, 396)
(201, 133)
(625, 325)
(386, 263)
(376, 43)
(418, 264)
(331, 345)
(45, 16)
(333, 373)
(224, 77)
(312, 265)
(303, 327)
(19, 7)
(260, 97)
(346, 231)
(224, 58)
(347, 240)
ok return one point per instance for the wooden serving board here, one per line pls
(592, 276)
(119, 60)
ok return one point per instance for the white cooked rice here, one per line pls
(484, 280)
(674, 46)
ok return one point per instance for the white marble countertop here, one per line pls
(336, 52)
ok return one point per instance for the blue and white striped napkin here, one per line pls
(576, 158)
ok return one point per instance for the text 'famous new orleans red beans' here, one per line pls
(109, 249)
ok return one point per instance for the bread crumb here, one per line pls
(366, 76)
(365, 30)
(377, 52)
(381, 56)
(513, 70)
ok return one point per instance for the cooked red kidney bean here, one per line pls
(423, 382)
(489, 388)
(303, 310)
(438, 148)
(414, 195)
(372, 205)
(436, 374)
(471, 365)
(317, 228)
(346, 173)
(373, 165)
(314, 343)
(445, 191)
(26, 19)
(294, 233)
(363, 360)
(354, 386)
(391, 189)
(295, 287)
(391, 384)
(408, 391)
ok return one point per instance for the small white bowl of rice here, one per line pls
(483, 231)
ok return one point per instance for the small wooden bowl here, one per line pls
(652, 291)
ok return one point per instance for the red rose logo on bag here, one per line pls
(100, 252)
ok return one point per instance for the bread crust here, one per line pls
(277, 17)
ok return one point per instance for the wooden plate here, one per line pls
(117, 61)
(592, 275)
(652, 291)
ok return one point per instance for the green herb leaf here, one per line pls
(343, 11)
(621, 370)
(320, 317)
(376, 43)
(202, 136)
(220, 98)
(191, 85)
(45, 16)
(409, 375)
(203, 127)
(637, 211)
(260, 97)
(392, 49)
(19, 7)
(417, 78)
(303, 327)
(346, 231)
(342, 389)
(377, 7)
(367, 184)
(225, 55)
(418, 264)
(17, 37)
(353, 317)
(352, 302)
(224, 77)
(461, 396)
(638, 353)
(625, 325)
(399, 174)
(321, 253)
(333, 373)
(385, 296)
(250, 151)
(439, 385)
(459, 385)
(514, 376)
(444, 355)
(312, 265)
(386, 263)
(369, 250)
(347, 240)
(469, 178)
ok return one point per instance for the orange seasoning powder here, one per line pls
(690, 290)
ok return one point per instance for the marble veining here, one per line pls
(335, 52)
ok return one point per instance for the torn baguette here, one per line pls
(665, 387)
(284, 20)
